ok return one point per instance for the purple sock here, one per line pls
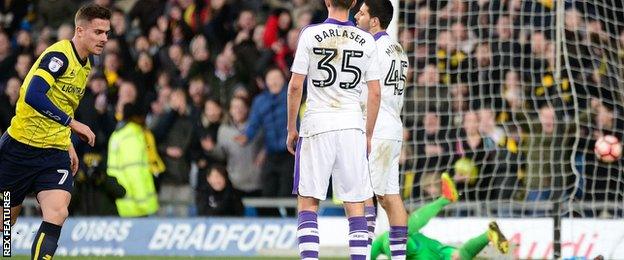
(358, 238)
(308, 235)
(371, 216)
(398, 239)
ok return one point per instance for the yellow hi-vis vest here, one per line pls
(127, 161)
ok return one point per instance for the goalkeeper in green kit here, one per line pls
(420, 246)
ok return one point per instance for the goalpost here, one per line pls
(394, 24)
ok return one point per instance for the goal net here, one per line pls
(509, 97)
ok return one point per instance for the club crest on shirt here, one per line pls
(55, 64)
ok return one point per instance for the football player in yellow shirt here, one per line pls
(36, 153)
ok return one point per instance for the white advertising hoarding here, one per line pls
(580, 238)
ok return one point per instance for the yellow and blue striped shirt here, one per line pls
(61, 68)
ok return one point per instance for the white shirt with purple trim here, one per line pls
(393, 64)
(336, 57)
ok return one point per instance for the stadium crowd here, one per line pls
(211, 75)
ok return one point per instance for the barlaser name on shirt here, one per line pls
(340, 33)
(73, 90)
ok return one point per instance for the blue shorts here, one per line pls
(25, 169)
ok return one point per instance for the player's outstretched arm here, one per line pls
(372, 108)
(295, 91)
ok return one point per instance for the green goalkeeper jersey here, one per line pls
(418, 247)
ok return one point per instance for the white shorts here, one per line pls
(339, 154)
(384, 165)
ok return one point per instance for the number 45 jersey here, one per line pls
(338, 59)
(392, 64)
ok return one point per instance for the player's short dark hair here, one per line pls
(92, 11)
(345, 4)
(382, 9)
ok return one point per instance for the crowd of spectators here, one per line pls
(211, 74)
(485, 101)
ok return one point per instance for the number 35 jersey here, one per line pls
(337, 58)
(393, 64)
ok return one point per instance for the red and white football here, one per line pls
(608, 149)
